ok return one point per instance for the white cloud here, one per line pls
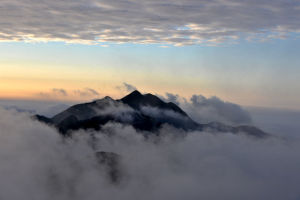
(117, 109)
(175, 22)
(212, 109)
(37, 164)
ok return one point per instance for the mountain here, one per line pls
(136, 100)
(144, 112)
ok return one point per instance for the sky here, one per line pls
(241, 51)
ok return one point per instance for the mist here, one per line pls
(282, 122)
(46, 108)
(37, 163)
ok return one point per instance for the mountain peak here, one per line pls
(108, 98)
(104, 100)
(135, 93)
(136, 100)
(133, 98)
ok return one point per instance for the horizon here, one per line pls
(163, 97)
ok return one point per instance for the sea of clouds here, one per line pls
(37, 163)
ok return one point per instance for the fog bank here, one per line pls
(36, 163)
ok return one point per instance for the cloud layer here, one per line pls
(36, 163)
(175, 22)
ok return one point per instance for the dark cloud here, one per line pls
(35, 158)
(175, 22)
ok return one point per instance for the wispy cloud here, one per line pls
(61, 93)
(86, 92)
(126, 87)
(55, 92)
(172, 22)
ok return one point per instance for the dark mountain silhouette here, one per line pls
(144, 112)
(136, 100)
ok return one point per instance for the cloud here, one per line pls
(46, 108)
(205, 110)
(87, 92)
(35, 158)
(172, 98)
(118, 110)
(284, 123)
(160, 113)
(55, 92)
(172, 22)
(215, 109)
(127, 87)
(60, 92)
